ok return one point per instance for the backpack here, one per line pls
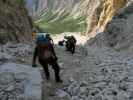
(44, 51)
(44, 46)
(72, 40)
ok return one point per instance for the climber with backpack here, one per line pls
(70, 43)
(44, 50)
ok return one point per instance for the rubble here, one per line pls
(107, 80)
(20, 82)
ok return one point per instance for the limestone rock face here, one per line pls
(97, 13)
(118, 33)
(100, 12)
(15, 23)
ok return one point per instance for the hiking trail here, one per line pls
(91, 73)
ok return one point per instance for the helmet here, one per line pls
(41, 37)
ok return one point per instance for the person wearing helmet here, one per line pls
(70, 43)
(46, 56)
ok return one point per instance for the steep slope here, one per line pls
(100, 12)
(75, 15)
(56, 16)
(35, 6)
(118, 33)
(15, 23)
(61, 16)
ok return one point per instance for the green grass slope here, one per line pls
(55, 23)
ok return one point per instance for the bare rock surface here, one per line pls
(16, 52)
(103, 75)
(20, 82)
(118, 32)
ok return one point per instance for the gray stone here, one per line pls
(20, 82)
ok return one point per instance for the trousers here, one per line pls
(51, 61)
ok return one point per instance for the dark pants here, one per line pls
(73, 48)
(55, 66)
(70, 47)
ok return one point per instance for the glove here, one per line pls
(34, 65)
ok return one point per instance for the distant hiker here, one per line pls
(46, 56)
(61, 43)
(70, 43)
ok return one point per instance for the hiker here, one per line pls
(46, 56)
(70, 43)
(61, 43)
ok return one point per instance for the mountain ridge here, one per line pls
(95, 13)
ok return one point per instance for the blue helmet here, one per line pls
(40, 37)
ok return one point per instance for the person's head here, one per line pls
(66, 37)
(47, 35)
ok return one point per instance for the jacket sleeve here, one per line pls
(53, 51)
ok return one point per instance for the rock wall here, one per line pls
(118, 33)
(97, 12)
(38, 8)
(15, 23)
(100, 12)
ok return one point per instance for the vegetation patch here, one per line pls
(53, 23)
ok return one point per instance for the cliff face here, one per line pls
(56, 16)
(38, 7)
(15, 24)
(118, 32)
(96, 13)
(100, 12)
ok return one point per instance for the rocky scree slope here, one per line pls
(15, 23)
(93, 74)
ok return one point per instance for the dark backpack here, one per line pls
(44, 50)
(71, 41)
